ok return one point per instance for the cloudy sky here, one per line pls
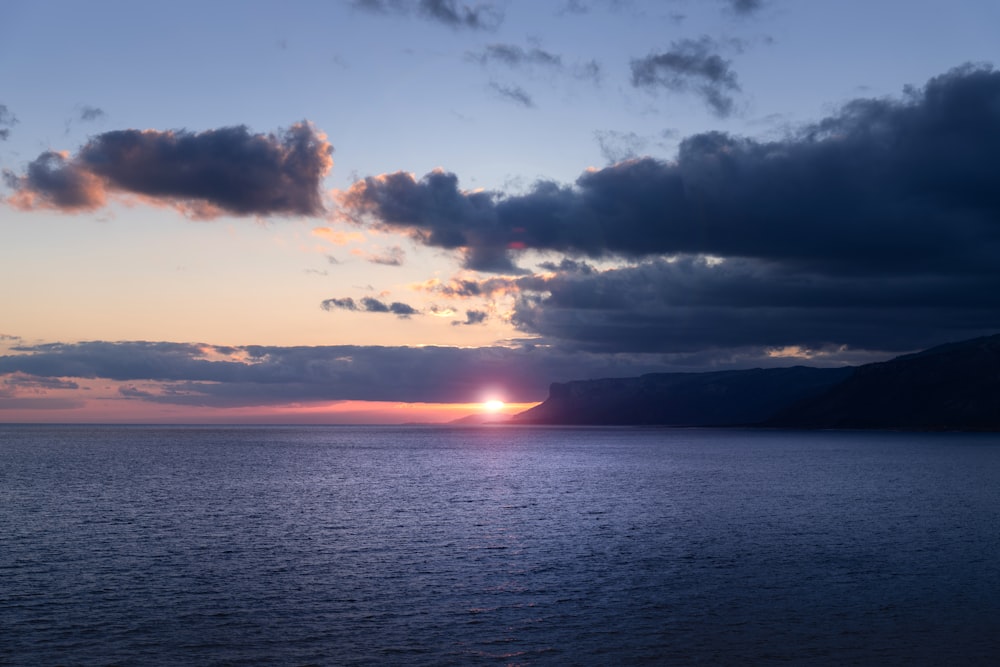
(394, 210)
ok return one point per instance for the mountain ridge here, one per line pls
(954, 386)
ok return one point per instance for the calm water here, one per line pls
(350, 545)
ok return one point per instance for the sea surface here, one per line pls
(136, 545)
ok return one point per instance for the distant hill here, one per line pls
(950, 387)
(954, 386)
(723, 398)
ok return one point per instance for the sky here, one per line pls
(386, 211)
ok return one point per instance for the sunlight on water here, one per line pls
(436, 546)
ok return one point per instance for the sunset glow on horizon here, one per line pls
(109, 411)
(413, 211)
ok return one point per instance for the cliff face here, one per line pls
(725, 398)
(955, 386)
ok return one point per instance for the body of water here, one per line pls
(132, 545)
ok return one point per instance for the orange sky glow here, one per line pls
(98, 402)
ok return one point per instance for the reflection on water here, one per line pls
(352, 545)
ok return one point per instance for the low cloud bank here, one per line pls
(217, 376)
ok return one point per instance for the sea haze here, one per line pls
(145, 545)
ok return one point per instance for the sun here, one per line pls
(493, 405)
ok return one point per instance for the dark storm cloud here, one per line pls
(690, 65)
(7, 120)
(514, 93)
(482, 16)
(436, 212)
(881, 186)
(228, 170)
(114, 361)
(691, 304)
(875, 228)
(370, 305)
(568, 265)
(193, 374)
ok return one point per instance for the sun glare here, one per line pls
(493, 406)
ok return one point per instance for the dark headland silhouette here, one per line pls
(949, 387)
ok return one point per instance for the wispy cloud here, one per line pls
(7, 120)
(620, 146)
(451, 13)
(370, 305)
(461, 15)
(19, 382)
(394, 256)
(337, 237)
(89, 113)
(574, 7)
(514, 93)
(472, 317)
(744, 7)
(516, 56)
(690, 65)
(534, 58)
